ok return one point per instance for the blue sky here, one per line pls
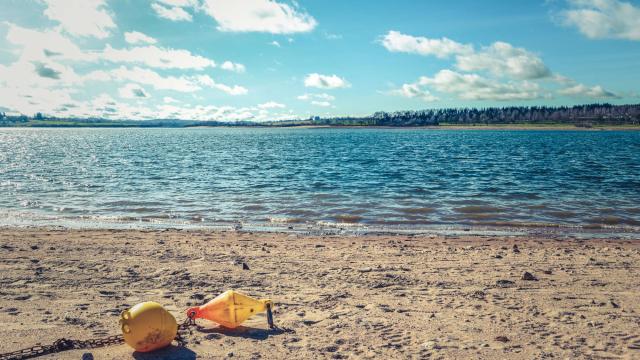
(268, 60)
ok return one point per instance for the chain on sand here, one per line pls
(66, 344)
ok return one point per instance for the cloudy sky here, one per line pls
(279, 59)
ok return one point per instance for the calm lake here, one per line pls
(407, 178)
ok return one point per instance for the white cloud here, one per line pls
(271, 105)
(231, 90)
(150, 77)
(206, 112)
(50, 44)
(157, 57)
(81, 17)
(330, 36)
(599, 19)
(173, 13)
(581, 90)
(25, 99)
(503, 59)
(64, 75)
(325, 81)
(561, 79)
(135, 37)
(499, 72)
(159, 82)
(97, 75)
(395, 41)
(39, 62)
(47, 71)
(322, 96)
(39, 45)
(414, 91)
(235, 67)
(574, 89)
(476, 87)
(180, 3)
(132, 91)
(218, 113)
(105, 106)
(321, 99)
(321, 103)
(258, 15)
(58, 102)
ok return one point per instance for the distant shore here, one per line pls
(336, 296)
(595, 115)
(480, 127)
(438, 127)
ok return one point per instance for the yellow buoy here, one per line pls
(231, 308)
(148, 326)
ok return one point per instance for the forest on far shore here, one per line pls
(580, 115)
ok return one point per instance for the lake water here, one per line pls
(400, 178)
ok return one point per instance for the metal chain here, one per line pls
(186, 324)
(66, 344)
(61, 345)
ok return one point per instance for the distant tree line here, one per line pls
(581, 115)
(41, 120)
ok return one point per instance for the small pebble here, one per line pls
(529, 276)
(502, 339)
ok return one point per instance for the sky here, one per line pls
(262, 60)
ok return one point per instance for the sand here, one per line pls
(340, 297)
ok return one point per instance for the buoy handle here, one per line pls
(124, 318)
(269, 305)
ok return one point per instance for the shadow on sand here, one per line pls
(174, 352)
(169, 353)
(243, 332)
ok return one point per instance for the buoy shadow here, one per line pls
(244, 332)
(171, 352)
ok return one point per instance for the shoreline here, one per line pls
(337, 296)
(556, 230)
(546, 127)
(559, 127)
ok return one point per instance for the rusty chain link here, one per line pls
(66, 344)
(186, 324)
(61, 345)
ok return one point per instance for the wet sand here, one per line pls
(340, 297)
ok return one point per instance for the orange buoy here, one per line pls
(231, 308)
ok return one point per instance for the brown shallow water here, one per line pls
(337, 296)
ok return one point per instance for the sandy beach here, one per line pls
(336, 297)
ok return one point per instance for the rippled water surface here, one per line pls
(406, 178)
